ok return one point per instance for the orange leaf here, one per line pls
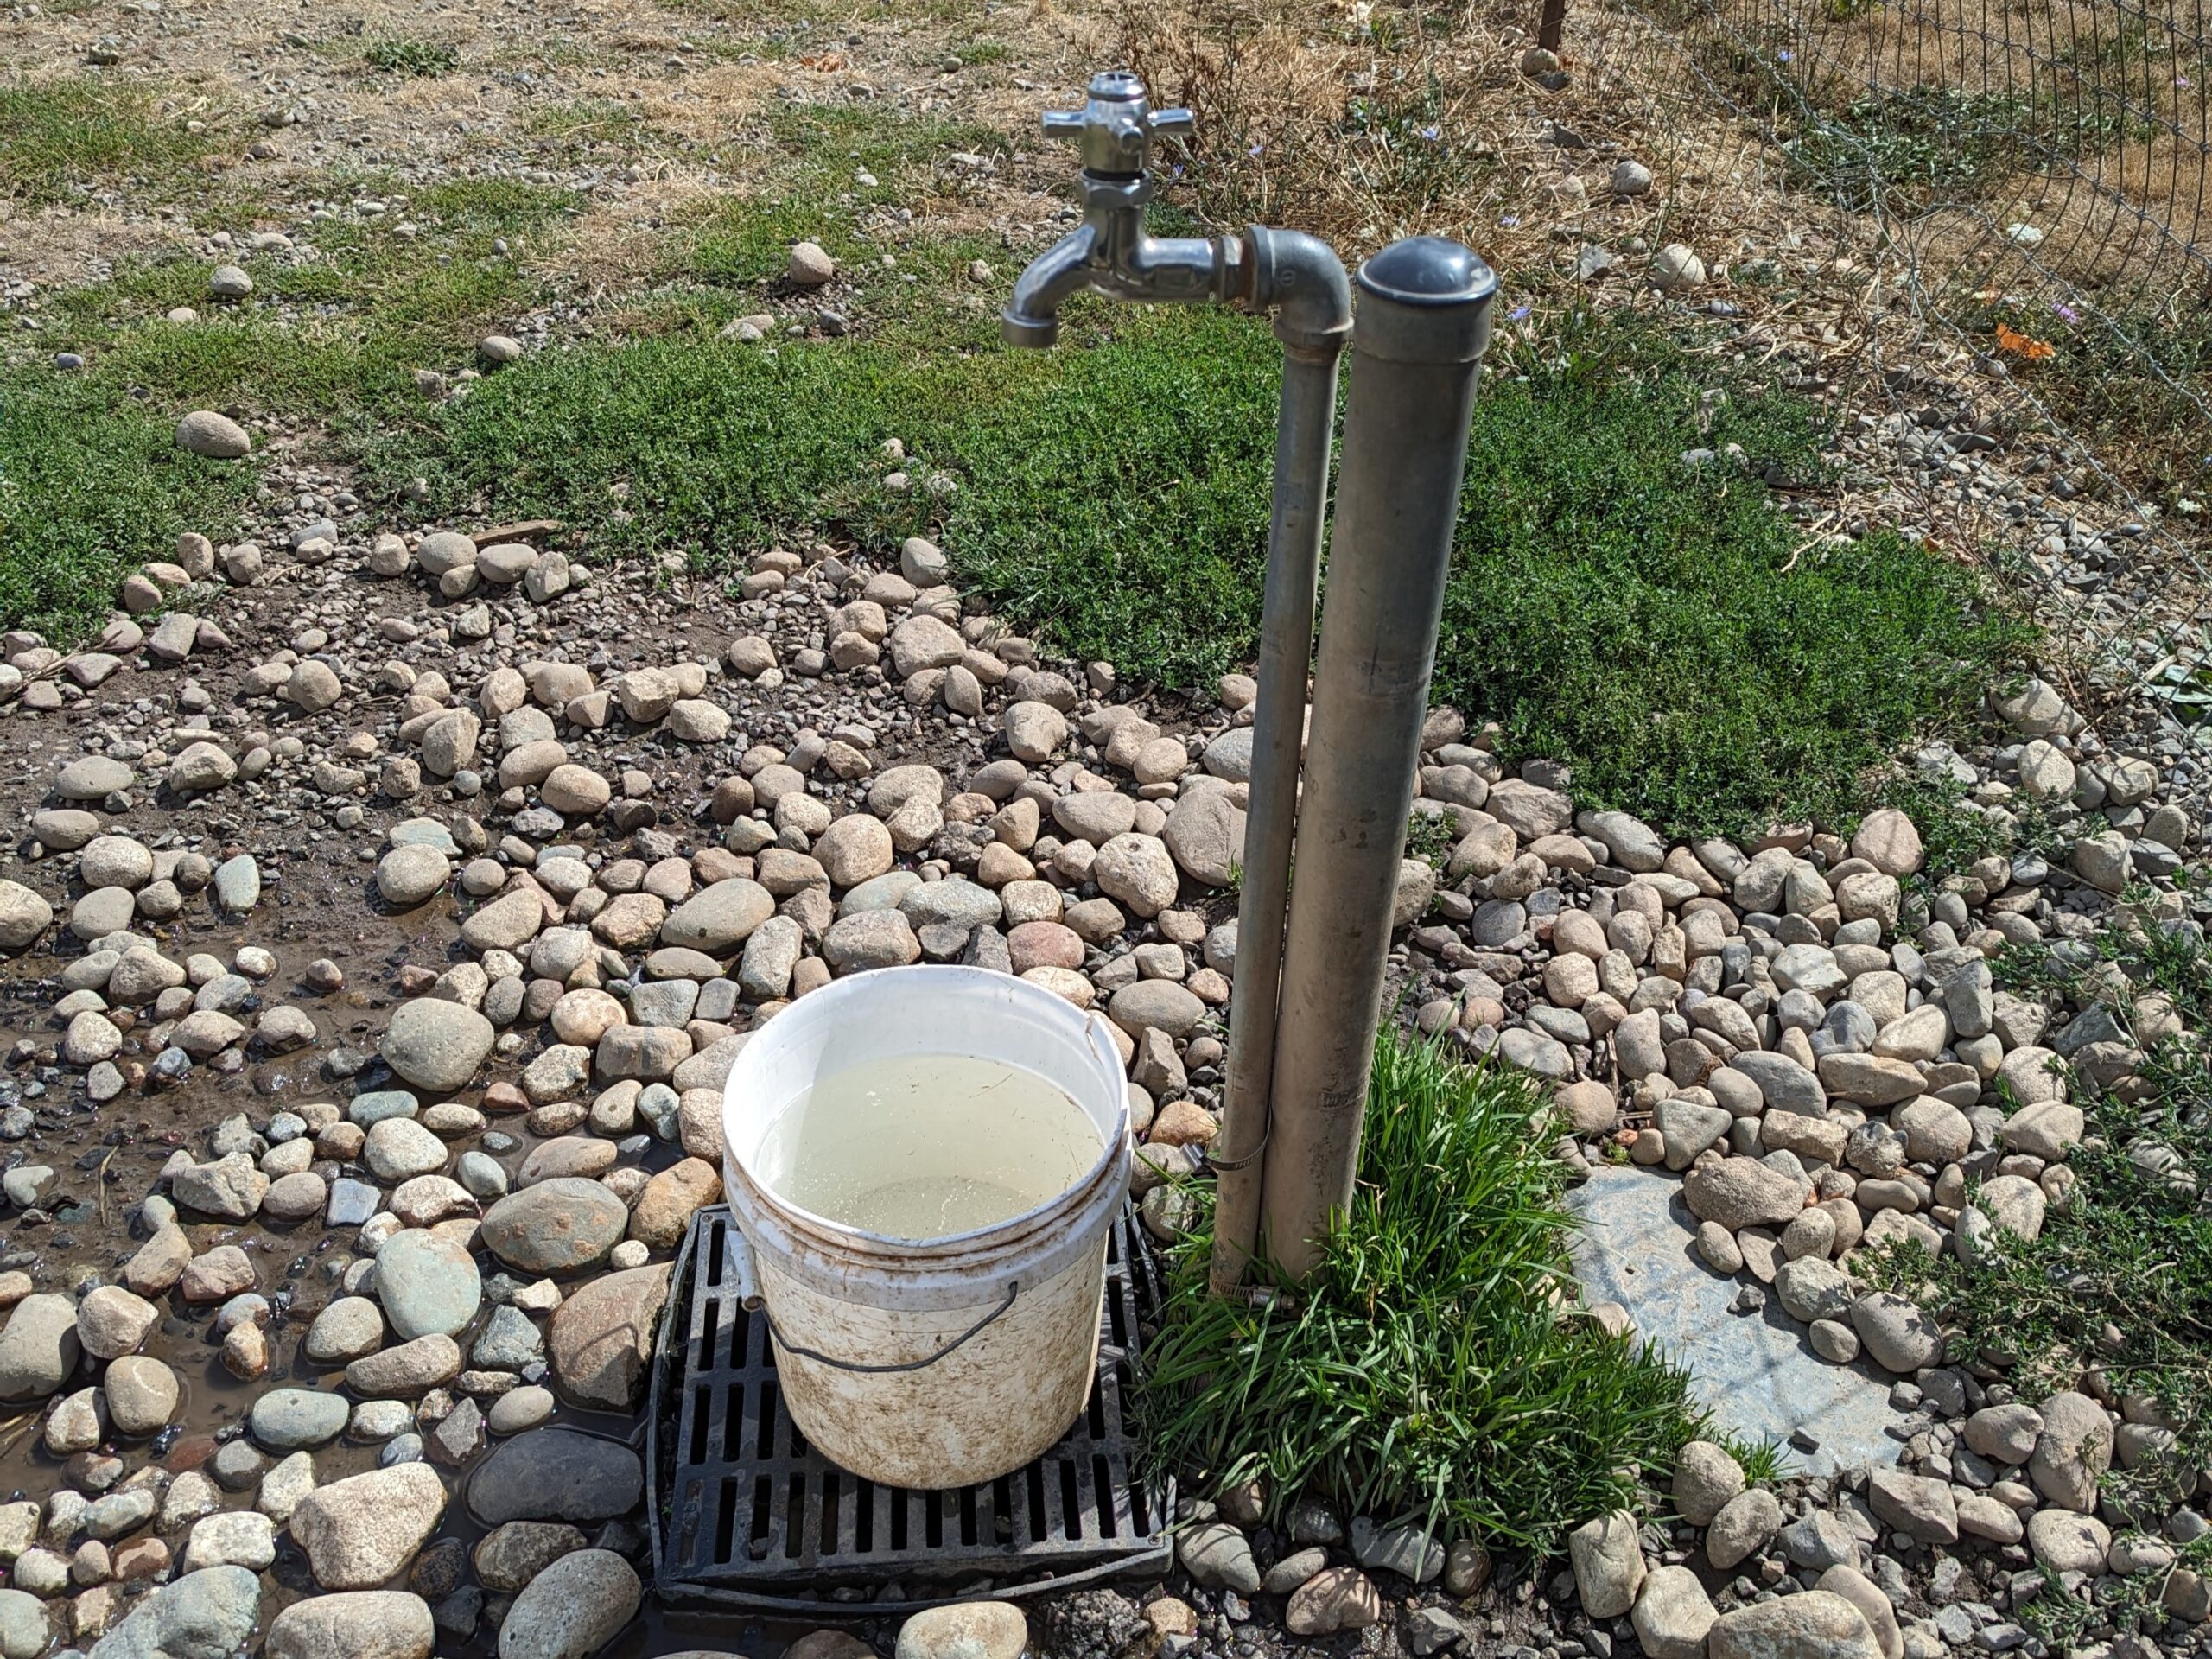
(2023, 345)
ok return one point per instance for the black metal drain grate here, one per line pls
(746, 1514)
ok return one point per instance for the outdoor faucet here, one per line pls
(1111, 252)
(1300, 1033)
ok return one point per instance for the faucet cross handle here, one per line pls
(1114, 130)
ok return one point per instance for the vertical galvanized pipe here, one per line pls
(1304, 429)
(1423, 323)
(1303, 279)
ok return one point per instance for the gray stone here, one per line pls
(237, 884)
(1740, 1192)
(436, 1045)
(2073, 1451)
(1812, 1287)
(361, 1532)
(23, 1630)
(1898, 1337)
(1219, 1556)
(572, 1609)
(1744, 1526)
(428, 1283)
(208, 1615)
(359, 1625)
(1917, 1505)
(1817, 1624)
(293, 1420)
(973, 1629)
(1608, 1564)
(1672, 1614)
(1706, 1475)
(213, 437)
(40, 1347)
(1820, 1541)
(555, 1474)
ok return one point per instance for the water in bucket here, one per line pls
(927, 1146)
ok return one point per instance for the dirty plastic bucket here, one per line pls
(943, 1362)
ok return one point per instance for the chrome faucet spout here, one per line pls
(1032, 317)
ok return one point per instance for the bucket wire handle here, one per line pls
(1012, 1289)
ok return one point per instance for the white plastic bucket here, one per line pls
(996, 1329)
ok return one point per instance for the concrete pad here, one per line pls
(1755, 1372)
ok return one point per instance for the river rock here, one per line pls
(1740, 1192)
(1816, 1624)
(436, 1045)
(429, 1285)
(601, 1339)
(1608, 1564)
(359, 1625)
(572, 1609)
(555, 1474)
(204, 1615)
(361, 1532)
(973, 1629)
(39, 1349)
(555, 1226)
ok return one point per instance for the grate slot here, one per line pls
(745, 1512)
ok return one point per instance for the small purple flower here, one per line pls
(2068, 312)
(2181, 80)
(1432, 133)
(1785, 55)
(1510, 220)
(1516, 314)
(1255, 151)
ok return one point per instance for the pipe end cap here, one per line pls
(1428, 271)
(1425, 300)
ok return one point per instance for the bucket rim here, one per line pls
(1011, 1229)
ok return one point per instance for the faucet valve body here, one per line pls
(1114, 130)
(1111, 252)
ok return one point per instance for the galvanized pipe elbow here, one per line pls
(1300, 277)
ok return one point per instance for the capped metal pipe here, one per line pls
(1423, 325)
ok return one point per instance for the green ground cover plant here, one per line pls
(60, 139)
(91, 484)
(401, 57)
(1426, 1371)
(1617, 600)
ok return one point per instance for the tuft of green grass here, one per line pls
(1432, 1368)
(1765, 1463)
(91, 485)
(1654, 619)
(581, 125)
(61, 139)
(401, 57)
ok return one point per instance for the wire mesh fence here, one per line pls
(2031, 177)
(1992, 213)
